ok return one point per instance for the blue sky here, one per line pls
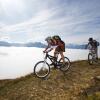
(33, 20)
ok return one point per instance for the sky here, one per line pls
(34, 20)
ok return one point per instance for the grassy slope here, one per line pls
(59, 86)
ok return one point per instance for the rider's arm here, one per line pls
(88, 46)
(46, 48)
(50, 50)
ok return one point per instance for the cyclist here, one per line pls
(60, 47)
(93, 45)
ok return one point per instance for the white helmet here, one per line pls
(48, 38)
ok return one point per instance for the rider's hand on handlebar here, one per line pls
(45, 52)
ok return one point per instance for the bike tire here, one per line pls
(98, 61)
(66, 66)
(39, 71)
(90, 59)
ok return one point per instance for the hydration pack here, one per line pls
(96, 43)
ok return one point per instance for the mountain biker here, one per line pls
(93, 45)
(60, 47)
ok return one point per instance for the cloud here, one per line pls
(4, 38)
(69, 19)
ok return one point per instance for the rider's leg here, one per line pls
(54, 62)
(97, 52)
(56, 52)
(62, 56)
(55, 55)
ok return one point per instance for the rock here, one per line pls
(97, 77)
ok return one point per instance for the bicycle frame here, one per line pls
(93, 53)
(51, 58)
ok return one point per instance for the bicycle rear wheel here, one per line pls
(66, 66)
(90, 58)
(98, 61)
(42, 69)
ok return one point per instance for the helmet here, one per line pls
(56, 37)
(90, 39)
(48, 38)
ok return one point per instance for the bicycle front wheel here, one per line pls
(42, 69)
(90, 58)
(66, 66)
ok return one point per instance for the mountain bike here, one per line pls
(42, 68)
(92, 57)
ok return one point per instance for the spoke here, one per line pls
(42, 69)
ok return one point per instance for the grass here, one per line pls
(76, 84)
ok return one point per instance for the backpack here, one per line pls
(96, 43)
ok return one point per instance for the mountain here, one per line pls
(17, 44)
(30, 44)
(76, 46)
(39, 45)
(35, 44)
(3, 43)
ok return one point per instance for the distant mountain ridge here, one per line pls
(3, 43)
(35, 44)
(30, 44)
(39, 45)
(76, 46)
